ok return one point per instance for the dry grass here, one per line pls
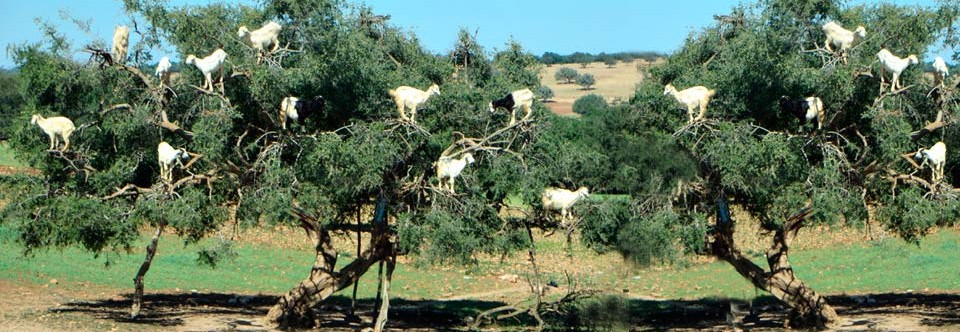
(614, 83)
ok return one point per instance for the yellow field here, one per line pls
(614, 83)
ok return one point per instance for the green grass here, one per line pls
(6, 156)
(888, 266)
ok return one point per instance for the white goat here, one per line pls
(841, 38)
(895, 65)
(295, 109)
(163, 69)
(410, 97)
(168, 158)
(940, 71)
(557, 199)
(262, 38)
(208, 65)
(520, 98)
(449, 168)
(121, 39)
(53, 127)
(807, 109)
(936, 156)
(694, 97)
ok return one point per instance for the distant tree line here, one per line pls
(550, 58)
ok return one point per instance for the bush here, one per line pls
(589, 104)
(544, 92)
(566, 74)
(586, 81)
(610, 62)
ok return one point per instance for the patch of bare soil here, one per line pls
(10, 170)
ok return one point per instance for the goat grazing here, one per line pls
(410, 97)
(557, 199)
(163, 69)
(520, 98)
(298, 110)
(895, 65)
(168, 158)
(208, 65)
(449, 168)
(936, 156)
(940, 71)
(54, 127)
(807, 109)
(121, 39)
(841, 38)
(694, 97)
(262, 38)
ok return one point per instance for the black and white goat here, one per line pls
(520, 98)
(806, 109)
(295, 109)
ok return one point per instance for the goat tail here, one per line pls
(392, 92)
(711, 93)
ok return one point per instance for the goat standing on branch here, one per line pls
(208, 65)
(841, 38)
(449, 168)
(558, 199)
(54, 127)
(298, 110)
(807, 109)
(895, 65)
(262, 38)
(940, 71)
(169, 158)
(520, 98)
(692, 98)
(121, 39)
(936, 156)
(410, 97)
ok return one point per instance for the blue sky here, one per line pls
(562, 26)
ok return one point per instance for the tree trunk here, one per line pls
(144, 267)
(294, 308)
(385, 305)
(809, 306)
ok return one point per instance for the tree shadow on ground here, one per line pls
(936, 311)
(232, 310)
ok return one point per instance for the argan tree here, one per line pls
(353, 168)
(857, 170)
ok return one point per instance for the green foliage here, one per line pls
(11, 99)
(544, 92)
(590, 103)
(586, 80)
(566, 74)
(610, 62)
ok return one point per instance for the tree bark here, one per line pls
(385, 291)
(294, 308)
(809, 307)
(144, 267)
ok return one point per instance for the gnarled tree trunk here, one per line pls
(144, 267)
(809, 306)
(294, 308)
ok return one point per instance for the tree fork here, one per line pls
(808, 305)
(144, 267)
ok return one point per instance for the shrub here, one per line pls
(586, 81)
(566, 74)
(590, 103)
(544, 92)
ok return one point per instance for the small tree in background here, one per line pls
(589, 104)
(549, 58)
(610, 62)
(586, 80)
(545, 93)
(566, 75)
